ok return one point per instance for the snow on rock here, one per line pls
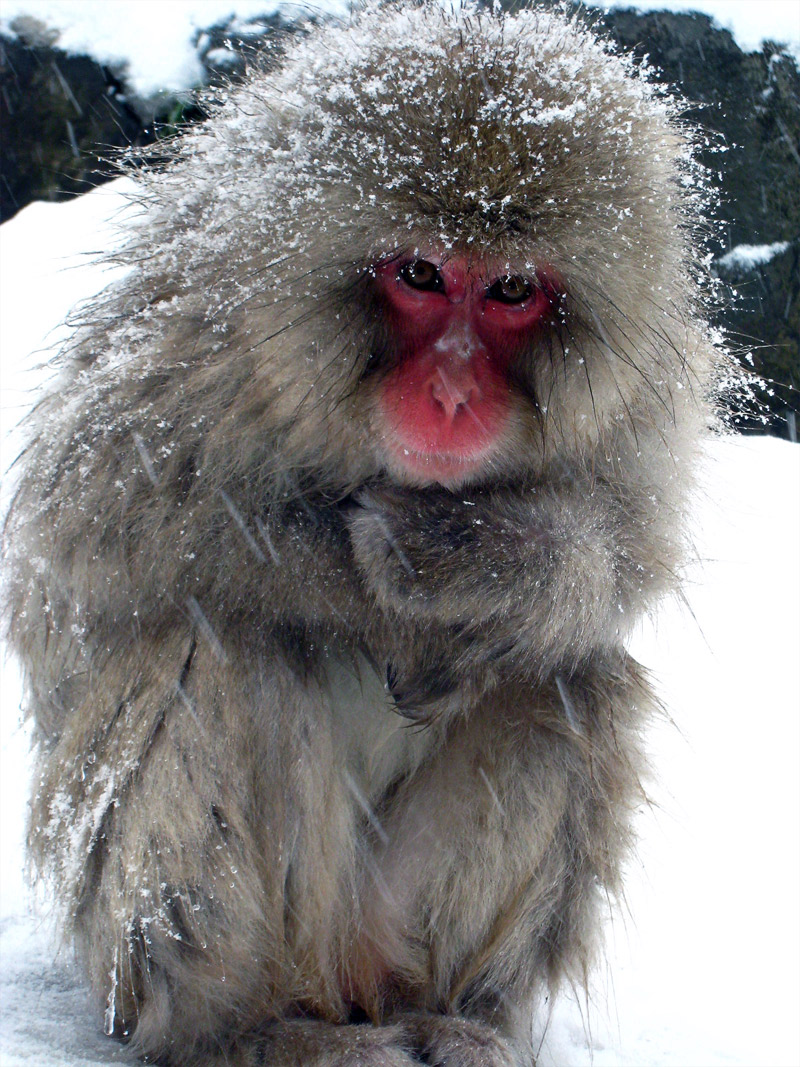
(155, 40)
(703, 965)
(749, 23)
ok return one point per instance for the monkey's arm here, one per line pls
(185, 813)
(549, 570)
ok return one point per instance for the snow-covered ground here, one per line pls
(703, 965)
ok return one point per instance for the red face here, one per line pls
(447, 402)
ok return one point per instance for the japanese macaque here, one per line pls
(330, 534)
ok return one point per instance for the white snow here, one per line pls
(157, 38)
(703, 967)
(48, 264)
(748, 257)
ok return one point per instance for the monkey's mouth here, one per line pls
(424, 467)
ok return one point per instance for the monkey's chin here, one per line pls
(427, 468)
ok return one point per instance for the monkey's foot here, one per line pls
(419, 1038)
(450, 1041)
(305, 1043)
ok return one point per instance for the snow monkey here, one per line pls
(330, 534)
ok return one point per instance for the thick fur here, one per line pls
(316, 744)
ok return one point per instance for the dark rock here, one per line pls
(750, 103)
(61, 116)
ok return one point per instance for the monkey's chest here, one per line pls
(381, 756)
(377, 745)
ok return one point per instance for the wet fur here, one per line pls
(316, 745)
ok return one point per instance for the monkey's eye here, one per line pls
(511, 289)
(420, 274)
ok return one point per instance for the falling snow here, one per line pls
(748, 257)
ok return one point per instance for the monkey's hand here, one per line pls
(435, 553)
(509, 567)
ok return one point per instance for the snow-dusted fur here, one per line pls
(318, 745)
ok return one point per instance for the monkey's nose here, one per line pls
(452, 393)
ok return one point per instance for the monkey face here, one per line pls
(458, 328)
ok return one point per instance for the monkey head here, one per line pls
(450, 262)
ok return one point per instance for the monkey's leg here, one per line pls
(498, 851)
(308, 1043)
